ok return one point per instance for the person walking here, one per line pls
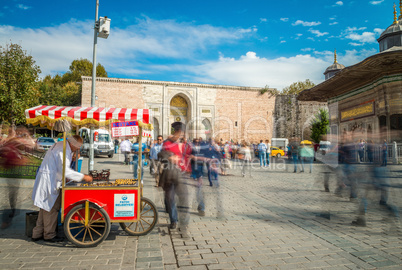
(268, 152)
(306, 156)
(153, 155)
(262, 153)
(173, 178)
(246, 158)
(197, 156)
(136, 148)
(125, 148)
(384, 151)
(116, 145)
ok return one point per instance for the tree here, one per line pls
(82, 67)
(319, 125)
(297, 87)
(65, 90)
(271, 91)
(18, 83)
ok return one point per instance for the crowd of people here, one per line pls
(179, 166)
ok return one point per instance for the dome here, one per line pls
(334, 67)
(392, 36)
(393, 29)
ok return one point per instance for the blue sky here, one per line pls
(245, 43)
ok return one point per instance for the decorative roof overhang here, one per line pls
(382, 64)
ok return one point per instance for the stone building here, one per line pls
(293, 118)
(366, 98)
(224, 112)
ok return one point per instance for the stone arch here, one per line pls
(207, 128)
(180, 107)
(156, 130)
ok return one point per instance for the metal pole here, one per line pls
(91, 137)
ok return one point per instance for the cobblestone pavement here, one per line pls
(270, 221)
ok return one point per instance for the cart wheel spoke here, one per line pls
(141, 225)
(85, 234)
(90, 220)
(146, 221)
(98, 220)
(90, 234)
(147, 216)
(79, 233)
(95, 231)
(130, 224)
(146, 211)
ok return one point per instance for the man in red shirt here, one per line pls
(174, 156)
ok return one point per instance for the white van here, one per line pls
(281, 143)
(103, 144)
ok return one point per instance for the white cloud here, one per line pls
(333, 18)
(333, 23)
(21, 6)
(317, 33)
(353, 33)
(125, 50)
(251, 70)
(284, 19)
(376, 2)
(298, 22)
(356, 44)
(263, 20)
(307, 49)
(283, 41)
(338, 3)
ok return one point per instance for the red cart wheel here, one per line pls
(89, 235)
(147, 221)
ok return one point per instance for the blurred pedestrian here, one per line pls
(135, 148)
(245, 153)
(197, 156)
(384, 153)
(306, 156)
(153, 156)
(262, 153)
(268, 152)
(125, 149)
(173, 178)
(116, 145)
(12, 154)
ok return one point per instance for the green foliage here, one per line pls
(297, 87)
(18, 83)
(319, 125)
(66, 90)
(271, 91)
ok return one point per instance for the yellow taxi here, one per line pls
(276, 152)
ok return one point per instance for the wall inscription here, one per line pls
(359, 111)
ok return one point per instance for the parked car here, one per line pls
(276, 152)
(324, 147)
(44, 143)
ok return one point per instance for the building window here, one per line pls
(235, 123)
(383, 121)
(396, 122)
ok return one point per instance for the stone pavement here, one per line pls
(270, 222)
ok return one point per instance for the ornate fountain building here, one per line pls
(366, 98)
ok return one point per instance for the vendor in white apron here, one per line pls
(46, 192)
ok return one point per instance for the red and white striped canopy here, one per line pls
(43, 114)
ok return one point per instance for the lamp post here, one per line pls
(101, 29)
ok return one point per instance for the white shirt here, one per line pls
(49, 177)
(125, 146)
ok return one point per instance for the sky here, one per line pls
(254, 43)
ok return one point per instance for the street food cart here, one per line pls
(88, 209)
